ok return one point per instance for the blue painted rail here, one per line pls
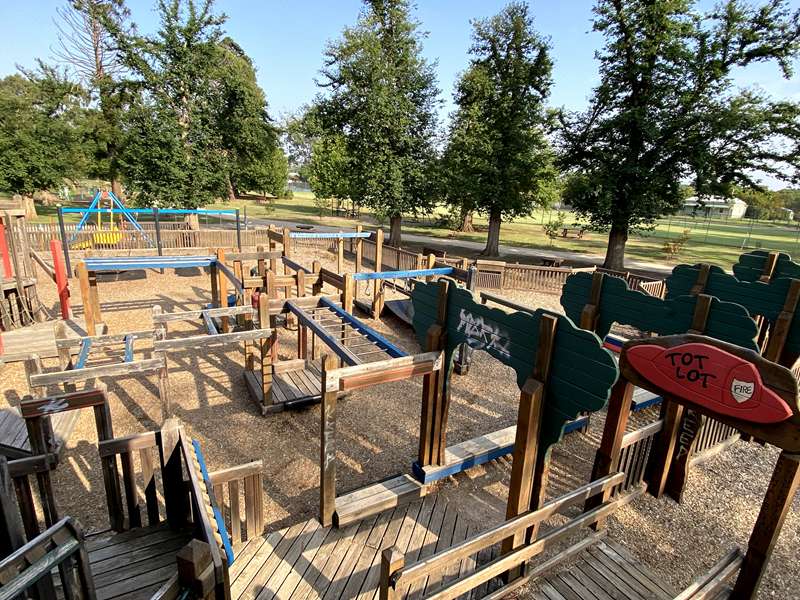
(131, 263)
(403, 274)
(328, 235)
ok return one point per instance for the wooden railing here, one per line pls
(634, 454)
(240, 489)
(29, 571)
(396, 576)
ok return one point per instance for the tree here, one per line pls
(498, 160)
(86, 46)
(42, 121)
(247, 135)
(666, 111)
(381, 99)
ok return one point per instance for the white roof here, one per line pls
(713, 201)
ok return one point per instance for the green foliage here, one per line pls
(553, 227)
(42, 122)
(381, 100)
(666, 110)
(197, 128)
(498, 160)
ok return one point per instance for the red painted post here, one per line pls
(62, 282)
(7, 272)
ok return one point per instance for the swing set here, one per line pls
(103, 237)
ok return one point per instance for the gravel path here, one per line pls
(378, 430)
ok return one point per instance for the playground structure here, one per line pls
(227, 556)
(19, 302)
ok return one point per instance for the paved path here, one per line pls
(657, 269)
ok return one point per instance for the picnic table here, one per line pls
(552, 261)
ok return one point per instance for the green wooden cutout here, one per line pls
(759, 298)
(751, 266)
(619, 304)
(582, 372)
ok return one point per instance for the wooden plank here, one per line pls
(376, 498)
(303, 563)
(338, 580)
(285, 559)
(115, 370)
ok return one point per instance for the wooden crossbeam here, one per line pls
(211, 340)
(334, 344)
(59, 377)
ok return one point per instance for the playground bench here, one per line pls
(576, 231)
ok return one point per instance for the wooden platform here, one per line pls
(290, 389)
(603, 571)
(14, 433)
(39, 338)
(134, 564)
(307, 560)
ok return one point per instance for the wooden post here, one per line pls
(214, 274)
(287, 243)
(591, 311)
(222, 286)
(261, 265)
(64, 356)
(440, 391)
(33, 366)
(769, 267)
(195, 569)
(777, 503)
(430, 265)
(420, 262)
(702, 280)
(431, 388)
(266, 350)
(780, 330)
(327, 448)
(105, 431)
(359, 254)
(701, 311)
(606, 459)
(86, 301)
(41, 438)
(12, 535)
(163, 388)
(339, 255)
(392, 561)
(316, 287)
(94, 296)
(664, 448)
(347, 292)
(377, 284)
(691, 426)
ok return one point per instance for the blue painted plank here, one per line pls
(147, 262)
(361, 327)
(210, 327)
(328, 235)
(462, 465)
(149, 211)
(403, 274)
(327, 338)
(129, 339)
(223, 531)
(83, 355)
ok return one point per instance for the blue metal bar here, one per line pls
(361, 327)
(85, 217)
(83, 355)
(147, 262)
(125, 212)
(210, 327)
(328, 235)
(402, 274)
(129, 339)
(323, 334)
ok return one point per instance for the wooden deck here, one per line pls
(134, 564)
(296, 387)
(38, 338)
(604, 571)
(308, 560)
(14, 433)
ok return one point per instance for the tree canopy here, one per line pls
(381, 99)
(498, 160)
(666, 110)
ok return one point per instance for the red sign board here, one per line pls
(710, 377)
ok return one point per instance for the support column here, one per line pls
(86, 300)
(327, 447)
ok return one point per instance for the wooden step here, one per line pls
(376, 498)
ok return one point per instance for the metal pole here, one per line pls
(245, 217)
(158, 231)
(238, 231)
(64, 242)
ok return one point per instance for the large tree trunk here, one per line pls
(493, 237)
(116, 188)
(231, 191)
(466, 222)
(615, 254)
(395, 230)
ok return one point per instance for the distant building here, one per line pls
(714, 206)
(787, 214)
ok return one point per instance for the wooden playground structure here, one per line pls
(717, 357)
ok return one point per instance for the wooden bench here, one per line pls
(576, 231)
(552, 261)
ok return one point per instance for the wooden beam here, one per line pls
(115, 370)
(327, 450)
(86, 302)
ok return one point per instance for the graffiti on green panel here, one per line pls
(582, 372)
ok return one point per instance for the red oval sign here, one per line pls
(710, 377)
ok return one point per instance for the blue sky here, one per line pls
(286, 40)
